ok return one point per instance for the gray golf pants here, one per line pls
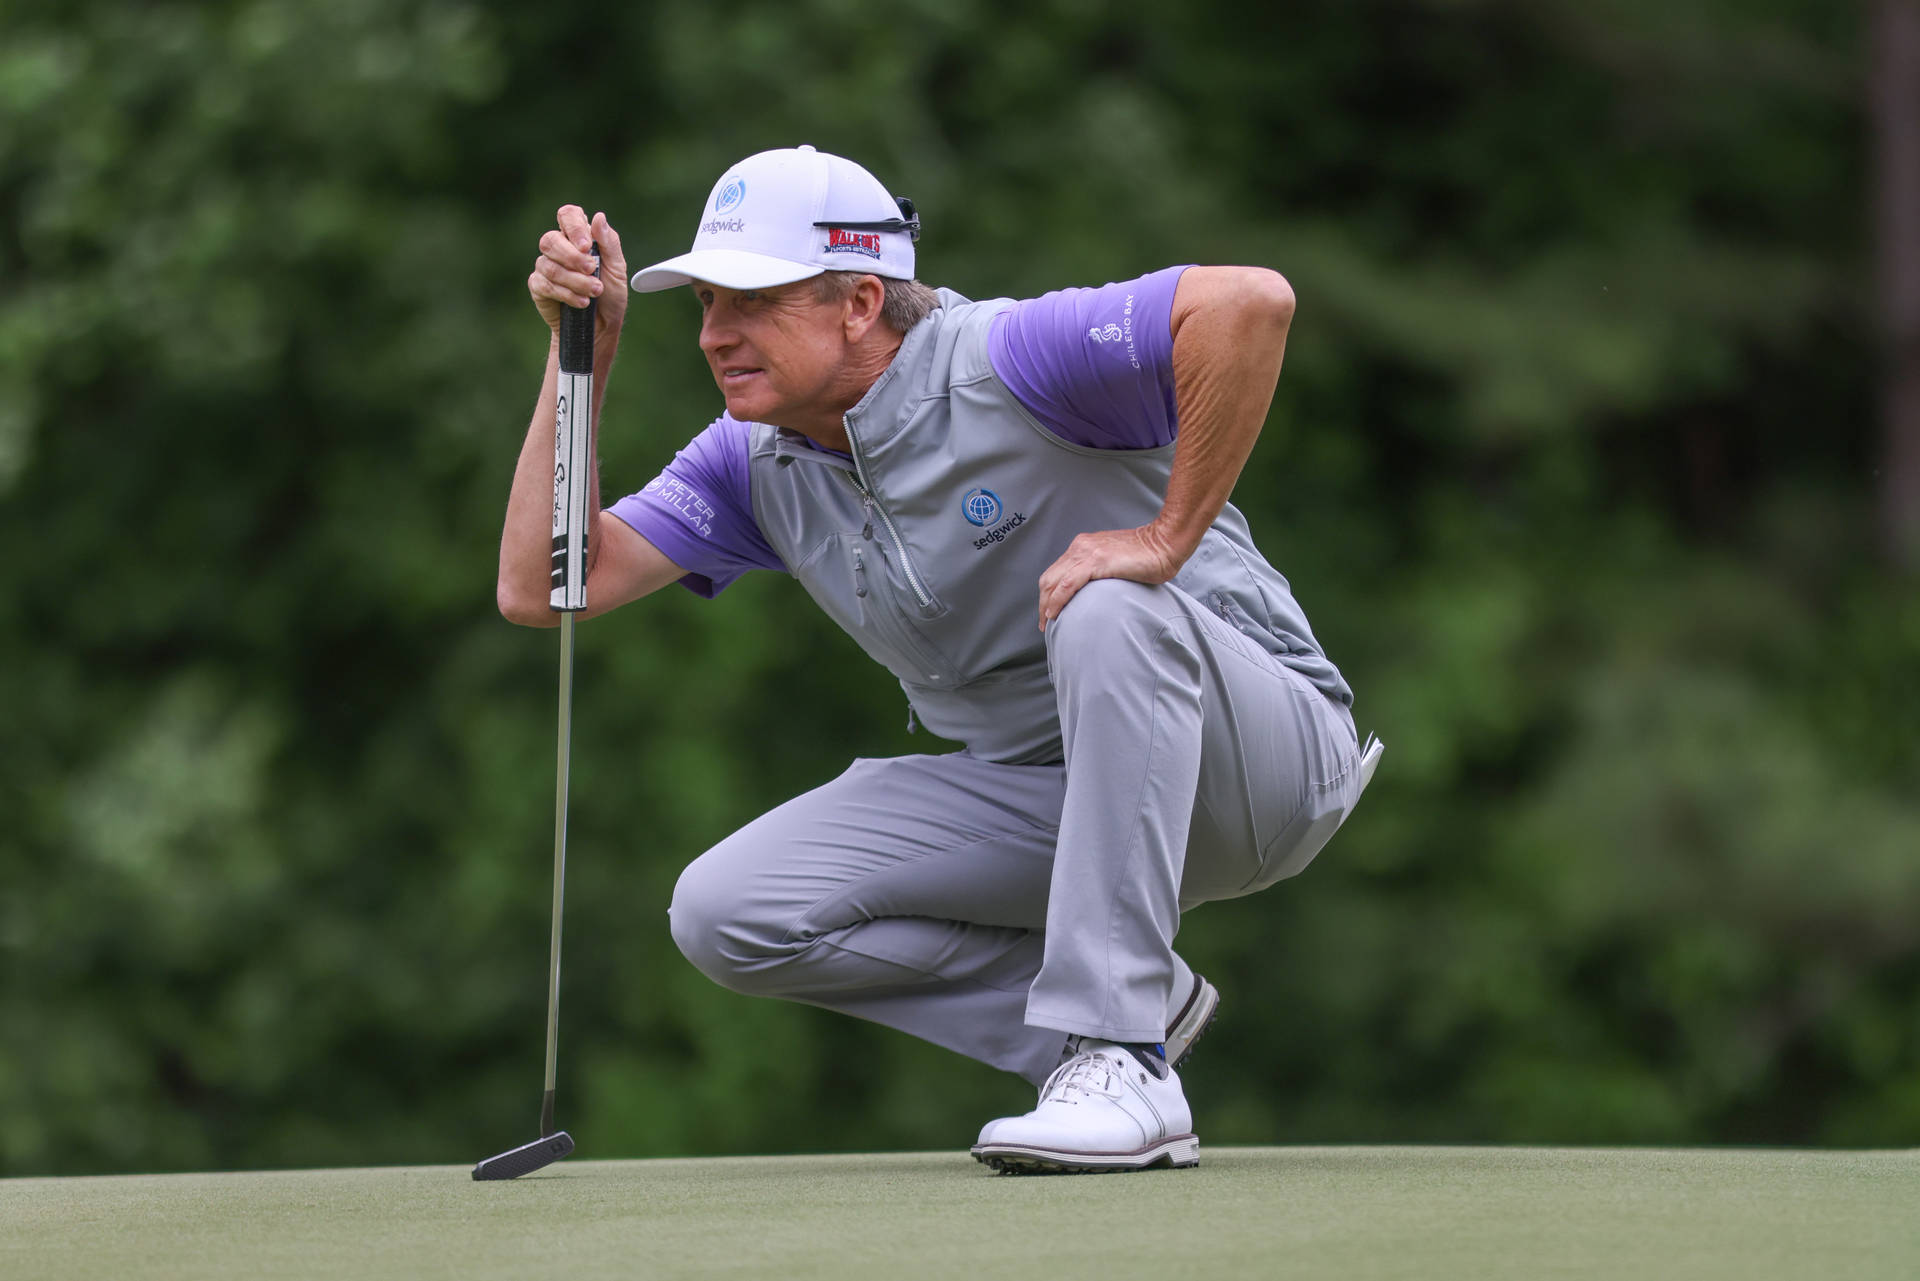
(992, 908)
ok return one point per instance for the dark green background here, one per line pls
(1573, 465)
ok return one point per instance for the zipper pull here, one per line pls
(866, 503)
(912, 724)
(859, 575)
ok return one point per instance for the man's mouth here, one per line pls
(734, 377)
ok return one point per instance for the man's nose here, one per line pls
(716, 331)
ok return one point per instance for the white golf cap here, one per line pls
(785, 215)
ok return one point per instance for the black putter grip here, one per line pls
(576, 332)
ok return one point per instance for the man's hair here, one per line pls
(907, 302)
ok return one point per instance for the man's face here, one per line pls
(775, 353)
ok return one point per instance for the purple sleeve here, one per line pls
(1095, 366)
(699, 511)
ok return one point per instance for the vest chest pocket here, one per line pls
(854, 583)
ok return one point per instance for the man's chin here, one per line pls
(744, 406)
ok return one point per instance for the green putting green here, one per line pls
(1425, 1213)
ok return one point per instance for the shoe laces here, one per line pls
(1091, 1073)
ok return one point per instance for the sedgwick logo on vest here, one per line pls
(982, 507)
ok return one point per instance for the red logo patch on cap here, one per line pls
(853, 242)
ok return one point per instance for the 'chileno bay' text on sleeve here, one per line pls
(1094, 366)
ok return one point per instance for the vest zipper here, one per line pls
(866, 494)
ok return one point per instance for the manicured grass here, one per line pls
(1423, 1213)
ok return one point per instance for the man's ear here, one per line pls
(863, 307)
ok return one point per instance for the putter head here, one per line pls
(526, 1158)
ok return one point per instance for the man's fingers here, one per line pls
(609, 241)
(541, 284)
(572, 287)
(557, 246)
(572, 220)
(540, 287)
(1057, 575)
(1057, 599)
(581, 282)
(1055, 594)
(563, 273)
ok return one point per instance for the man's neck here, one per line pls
(827, 426)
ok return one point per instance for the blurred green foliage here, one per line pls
(1571, 465)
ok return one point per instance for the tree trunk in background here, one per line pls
(1896, 110)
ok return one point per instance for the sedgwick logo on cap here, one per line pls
(729, 196)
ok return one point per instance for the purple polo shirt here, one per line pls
(1093, 366)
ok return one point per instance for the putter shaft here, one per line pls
(559, 869)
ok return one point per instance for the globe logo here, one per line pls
(981, 506)
(730, 195)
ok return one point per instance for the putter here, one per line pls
(572, 461)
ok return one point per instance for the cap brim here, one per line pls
(729, 268)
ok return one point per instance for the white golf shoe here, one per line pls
(1104, 1109)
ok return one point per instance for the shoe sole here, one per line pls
(1195, 1017)
(1177, 1153)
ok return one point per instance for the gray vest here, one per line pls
(927, 548)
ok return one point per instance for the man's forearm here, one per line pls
(526, 541)
(1229, 339)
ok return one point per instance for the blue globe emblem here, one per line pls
(982, 506)
(730, 195)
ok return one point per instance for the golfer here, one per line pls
(1019, 509)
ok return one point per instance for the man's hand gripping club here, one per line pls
(621, 565)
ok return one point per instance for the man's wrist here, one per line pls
(1179, 538)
